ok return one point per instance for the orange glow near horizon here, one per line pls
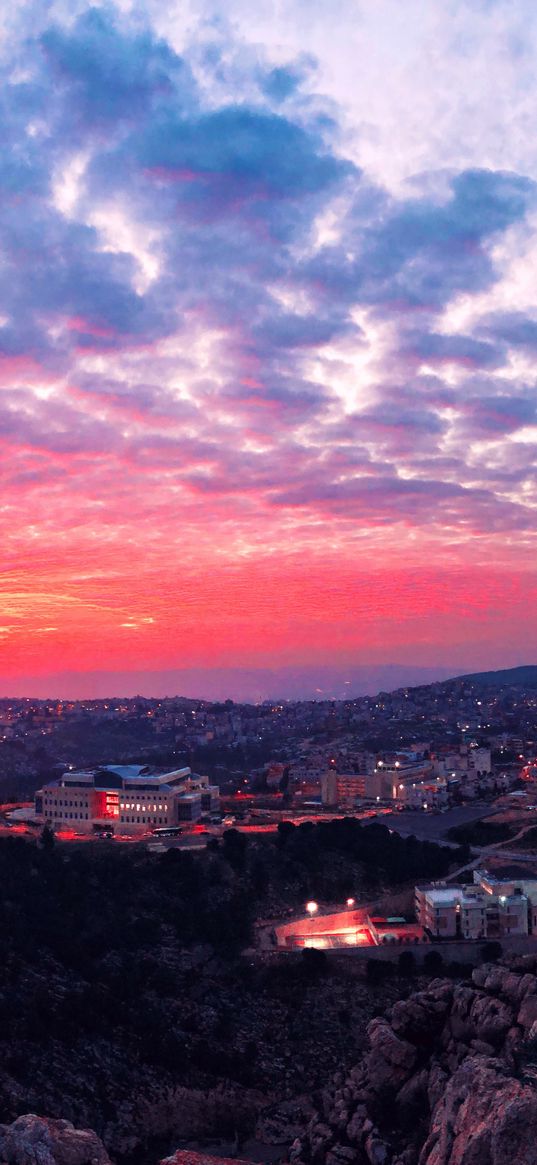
(262, 614)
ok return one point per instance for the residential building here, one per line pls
(344, 789)
(490, 908)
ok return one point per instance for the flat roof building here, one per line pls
(124, 799)
(490, 908)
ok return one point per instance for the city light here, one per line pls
(312, 908)
(351, 902)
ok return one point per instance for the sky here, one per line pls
(268, 338)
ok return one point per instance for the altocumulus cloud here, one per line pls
(223, 312)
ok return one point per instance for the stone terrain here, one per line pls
(449, 1077)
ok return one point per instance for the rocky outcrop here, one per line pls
(447, 1080)
(35, 1140)
(484, 1118)
(391, 1060)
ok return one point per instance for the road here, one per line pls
(424, 826)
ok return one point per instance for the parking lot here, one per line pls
(434, 826)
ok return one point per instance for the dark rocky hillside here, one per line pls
(127, 1006)
(449, 1077)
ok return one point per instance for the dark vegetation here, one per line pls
(341, 857)
(524, 677)
(26, 764)
(434, 965)
(482, 833)
(23, 768)
(127, 1006)
(527, 843)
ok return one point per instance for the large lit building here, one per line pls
(345, 789)
(124, 799)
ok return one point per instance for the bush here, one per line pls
(406, 964)
(314, 960)
(377, 971)
(433, 963)
(491, 952)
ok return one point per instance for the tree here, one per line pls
(314, 961)
(433, 963)
(234, 846)
(377, 971)
(491, 952)
(285, 831)
(406, 964)
(47, 838)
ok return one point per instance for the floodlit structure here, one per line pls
(350, 928)
(124, 799)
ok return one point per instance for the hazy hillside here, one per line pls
(524, 677)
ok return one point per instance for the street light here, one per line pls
(312, 908)
(351, 902)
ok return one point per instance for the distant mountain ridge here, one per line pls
(524, 677)
(252, 685)
(242, 684)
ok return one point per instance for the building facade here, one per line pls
(124, 799)
(488, 909)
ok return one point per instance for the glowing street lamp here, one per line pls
(351, 902)
(312, 908)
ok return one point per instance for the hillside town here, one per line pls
(422, 748)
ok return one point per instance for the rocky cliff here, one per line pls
(448, 1078)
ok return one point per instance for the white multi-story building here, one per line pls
(479, 761)
(124, 799)
(490, 908)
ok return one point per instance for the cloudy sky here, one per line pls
(268, 338)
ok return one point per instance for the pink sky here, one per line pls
(267, 339)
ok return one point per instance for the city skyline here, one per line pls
(268, 327)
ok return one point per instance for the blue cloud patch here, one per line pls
(243, 153)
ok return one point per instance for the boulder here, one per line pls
(460, 1023)
(436, 1085)
(527, 985)
(412, 1098)
(356, 1128)
(377, 1151)
(420, 1018)
(341, 1155)
(527, 1015)
(391, 1060)
(491, 1019)
(36, 1140)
